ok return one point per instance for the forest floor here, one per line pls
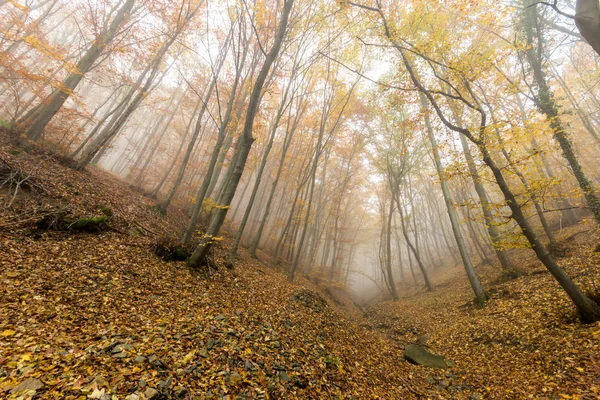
(98, 315)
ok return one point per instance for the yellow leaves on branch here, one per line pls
(209, 239)
(42, 47)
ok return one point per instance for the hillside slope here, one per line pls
(525, 343)
(98, 314)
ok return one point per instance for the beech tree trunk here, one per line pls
(545, 102)
(217, 150)
(36, 123)
(587, 19)
(410, 244)
(567, 213)
(388, 252)
(275, 124)
(246, 140)
(193, 140)
(480, 295)
(287, 141)
(291, 214)
(484, 203)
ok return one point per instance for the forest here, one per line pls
(311, 199)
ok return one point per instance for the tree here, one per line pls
(242, 46)
(480, 295)
(588, 310)
(202, 250)
(35, 123)
(544, 100)
(587, 19)
(144, 85)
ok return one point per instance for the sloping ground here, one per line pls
(526, 343)
(98, 315)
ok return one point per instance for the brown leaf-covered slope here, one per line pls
(526, 343)
(98, 315)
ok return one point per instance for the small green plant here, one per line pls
(332, 361)
(61, 221)
(106, 211)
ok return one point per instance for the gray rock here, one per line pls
(159, 364)
(106, 396)
(419, 355)
(139, 360)
(165, 384)
(151, 393)
(220, 317)
(284, 376)
(180, 392)
(278, 367)
(28, 384)
(120, 355)
(122, 347)
(133, 396)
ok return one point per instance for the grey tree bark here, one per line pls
(480, 295)
(545, 102)
(409, 242)
(587, 19)
(284, 103)
(289, 134)
(204, 187)
(388, 251)
(35, 124)
(246, 140)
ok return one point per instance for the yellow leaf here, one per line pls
(8, 332)
(188, 357)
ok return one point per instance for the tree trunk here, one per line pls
(141, 175)
(217, 150)
(388, 251)
(192, 143)
(544, 100)
(280, 111)
(246, 140)
(567, 213)
(35, 124)
(587, 19)
(287, 141)
(410, 245)
(484, 203)
(480, 295)
(291, 213)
